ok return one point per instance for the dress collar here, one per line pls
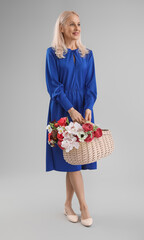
(69, 49)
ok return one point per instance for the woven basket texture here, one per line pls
(89, 152)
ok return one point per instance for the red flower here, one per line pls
(53, 121)
(89, 138)
(87, 127)
(62, 121)
(59, 143)
(60, 136)
(49, 136)
(56, 125)
(98, 133)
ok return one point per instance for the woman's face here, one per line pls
(72, 28)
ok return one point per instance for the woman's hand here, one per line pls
(76, 116)
(88, 114)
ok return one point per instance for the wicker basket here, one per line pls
(89, 152)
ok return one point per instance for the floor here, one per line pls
(32, 208)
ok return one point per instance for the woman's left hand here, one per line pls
(88, 114)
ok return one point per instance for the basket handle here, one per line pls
(89, 122)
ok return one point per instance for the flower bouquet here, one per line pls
(81, 144)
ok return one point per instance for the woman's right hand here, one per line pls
(76, 116)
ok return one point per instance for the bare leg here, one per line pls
(69, 195)
(78, 186)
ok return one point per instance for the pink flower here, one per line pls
(87, 127)
(98, 133)
(89, 138)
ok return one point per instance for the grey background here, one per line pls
(32, 200)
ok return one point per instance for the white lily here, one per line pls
(48, 127)
(69, 143)
(73, 127)
(60, 130)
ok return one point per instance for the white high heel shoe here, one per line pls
(87, 222)
(71, 218)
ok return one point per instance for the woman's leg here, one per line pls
(69, 191)
(69, 195)
(78, 186)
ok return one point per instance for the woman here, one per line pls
(71, 84)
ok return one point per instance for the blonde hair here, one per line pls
(58, 42)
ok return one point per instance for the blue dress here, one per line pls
(70, 84)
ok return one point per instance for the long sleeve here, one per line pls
(91, 87)
(54, 87)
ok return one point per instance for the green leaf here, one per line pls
(67, 121)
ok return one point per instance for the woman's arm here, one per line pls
(54, 87)
(91, 87)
